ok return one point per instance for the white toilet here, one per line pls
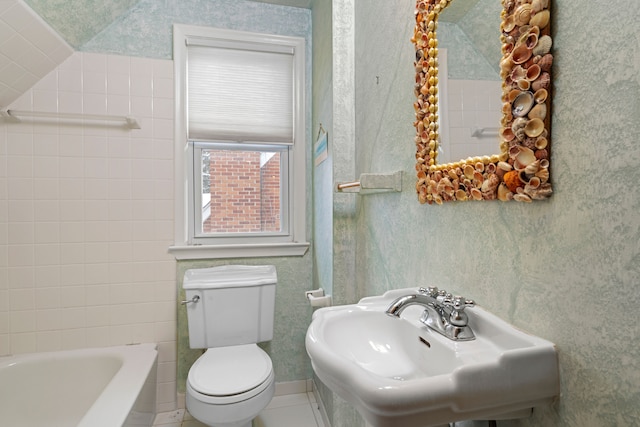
(229, 310)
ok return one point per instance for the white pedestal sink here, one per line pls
(399, 373)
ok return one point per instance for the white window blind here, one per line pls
(240, 93)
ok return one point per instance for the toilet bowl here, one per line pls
(229, 386)
(229, 310)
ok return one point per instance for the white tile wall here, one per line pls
(86, 214)
(29, 49)
(472, 104)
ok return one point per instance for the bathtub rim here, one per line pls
(120, 394)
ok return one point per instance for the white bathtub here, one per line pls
(103, 387)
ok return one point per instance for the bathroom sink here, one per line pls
(399, 373)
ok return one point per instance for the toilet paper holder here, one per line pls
(317, 298)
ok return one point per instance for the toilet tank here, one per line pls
(235, 305)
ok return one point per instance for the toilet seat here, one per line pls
(231, 374)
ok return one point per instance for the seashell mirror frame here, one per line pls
(521, 170)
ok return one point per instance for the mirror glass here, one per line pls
(474, 143)
(469, 79)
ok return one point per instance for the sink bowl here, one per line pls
(399, 373)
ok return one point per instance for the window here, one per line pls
(240, 144)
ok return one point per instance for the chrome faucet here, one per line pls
(444, 313)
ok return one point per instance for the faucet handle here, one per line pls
(457, 302)
(432, 291)
(458, 317)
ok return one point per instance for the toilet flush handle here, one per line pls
(194, 300)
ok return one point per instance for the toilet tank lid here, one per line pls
(229, 276)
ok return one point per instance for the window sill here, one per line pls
(238, 251)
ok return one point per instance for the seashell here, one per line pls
(512, 180)
(534, 127)
(542, 192)
(541, 95)
(514, 151)
(522, 15)
(461, 195)
(545, 62)
(532, 168)
(544, 163)
(523, 84)
(541, 143)
(445, 186)
(513, 94)
(530, 39)
(521, 53)
(518, 72)
(533, 72)
(507, 47)
(543, 175)
(524, 177)
(541, 82)
(507, 134)
(521, 135)
(536, 6)
(518, 123)
(540, 19)
(491, 168)
(522, 198)
(522, 104)
(506, 64)
(489, 187)
(544, 45)
(476, 194)
(528, 29)
(542, 154)
(529, 143)
(508, 24)
(506, 108)
(514, 34)
(468, 171)
(504, 193)
(505, 166)
(539, 111)
(524, 158)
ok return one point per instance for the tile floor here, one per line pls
(289, 410)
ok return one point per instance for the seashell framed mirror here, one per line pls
(520, 170)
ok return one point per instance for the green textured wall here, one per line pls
(146, 29)
(78, 21)
(293, 314)
(567, 269)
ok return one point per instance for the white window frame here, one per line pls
(293, 241)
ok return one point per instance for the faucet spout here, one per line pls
(399, 305)
(442, 313)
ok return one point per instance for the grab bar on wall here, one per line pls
(14, 116)
(480, 132)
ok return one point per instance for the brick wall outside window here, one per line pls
(244, 196)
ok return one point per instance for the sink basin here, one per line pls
(399, 373)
